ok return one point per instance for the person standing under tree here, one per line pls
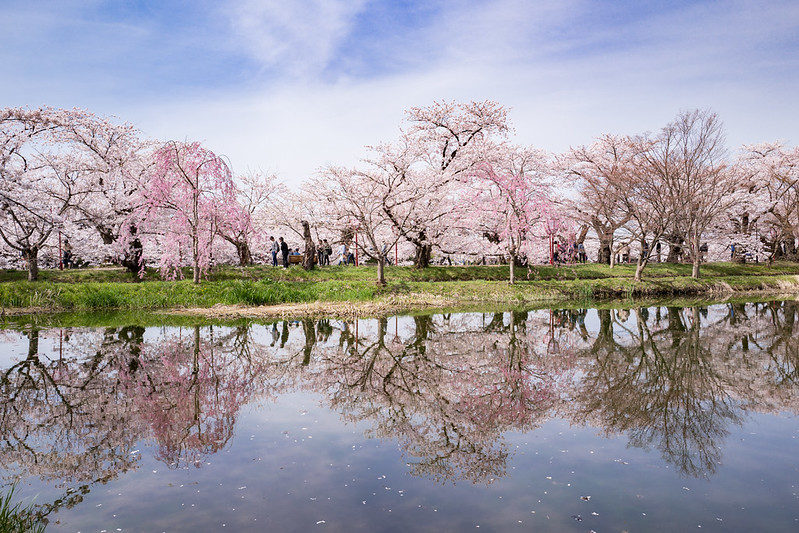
(66, 258)
(284, 249)
(275, 248)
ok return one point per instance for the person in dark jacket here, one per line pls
(284, 249)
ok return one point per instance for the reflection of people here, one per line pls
(67, 254)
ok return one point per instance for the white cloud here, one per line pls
(276, 93)
(299, 36)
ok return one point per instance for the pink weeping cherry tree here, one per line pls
(187, 198)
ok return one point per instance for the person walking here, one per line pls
(342, 252)
(284, 249)
(275, 248)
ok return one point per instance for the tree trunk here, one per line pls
(243, 251)
(310, 247)
(195, 235)
(422, 257)
(381, 269)
(132, 260)
(639, 268)
(605, 236)
(696, 256)
(31, 256)
(605, 253)
(675, 249)
(512, 276)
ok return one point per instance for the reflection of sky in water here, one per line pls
(295, 464)
(13, 347)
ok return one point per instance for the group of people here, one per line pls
(324, 251)
(574, 253)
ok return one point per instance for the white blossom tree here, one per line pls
(52, 161)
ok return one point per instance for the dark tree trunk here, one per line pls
(31, 256)
(603, 256)
(604, 233)
(422, 257)
(132, 259)
(424, 249)
(310, 247)
(243, 251)
(675, 249)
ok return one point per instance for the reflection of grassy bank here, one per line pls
(345, 289)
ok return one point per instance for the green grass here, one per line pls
(17, 519)
(113, 288)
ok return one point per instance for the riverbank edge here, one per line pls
(403, 297)
(718, 291)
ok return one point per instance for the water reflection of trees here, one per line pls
(189, 388)
(447, 387)
(60, 419)
(73, 413)
(659, 385)
(447, 393)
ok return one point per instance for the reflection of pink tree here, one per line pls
(189, 393)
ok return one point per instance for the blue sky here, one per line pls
(288, 86)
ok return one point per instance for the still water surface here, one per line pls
(643, 419)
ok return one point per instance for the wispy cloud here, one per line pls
(292, 85)
(299, 38)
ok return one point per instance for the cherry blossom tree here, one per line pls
(600, 171)
(189, 194)
(687, 158)
(245, 223)
(51, 162)
(417, 174)
(770, 174)
(352, 201)
(510, 200)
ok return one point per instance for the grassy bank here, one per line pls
(439, 286)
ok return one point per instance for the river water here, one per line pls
(608, 420)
